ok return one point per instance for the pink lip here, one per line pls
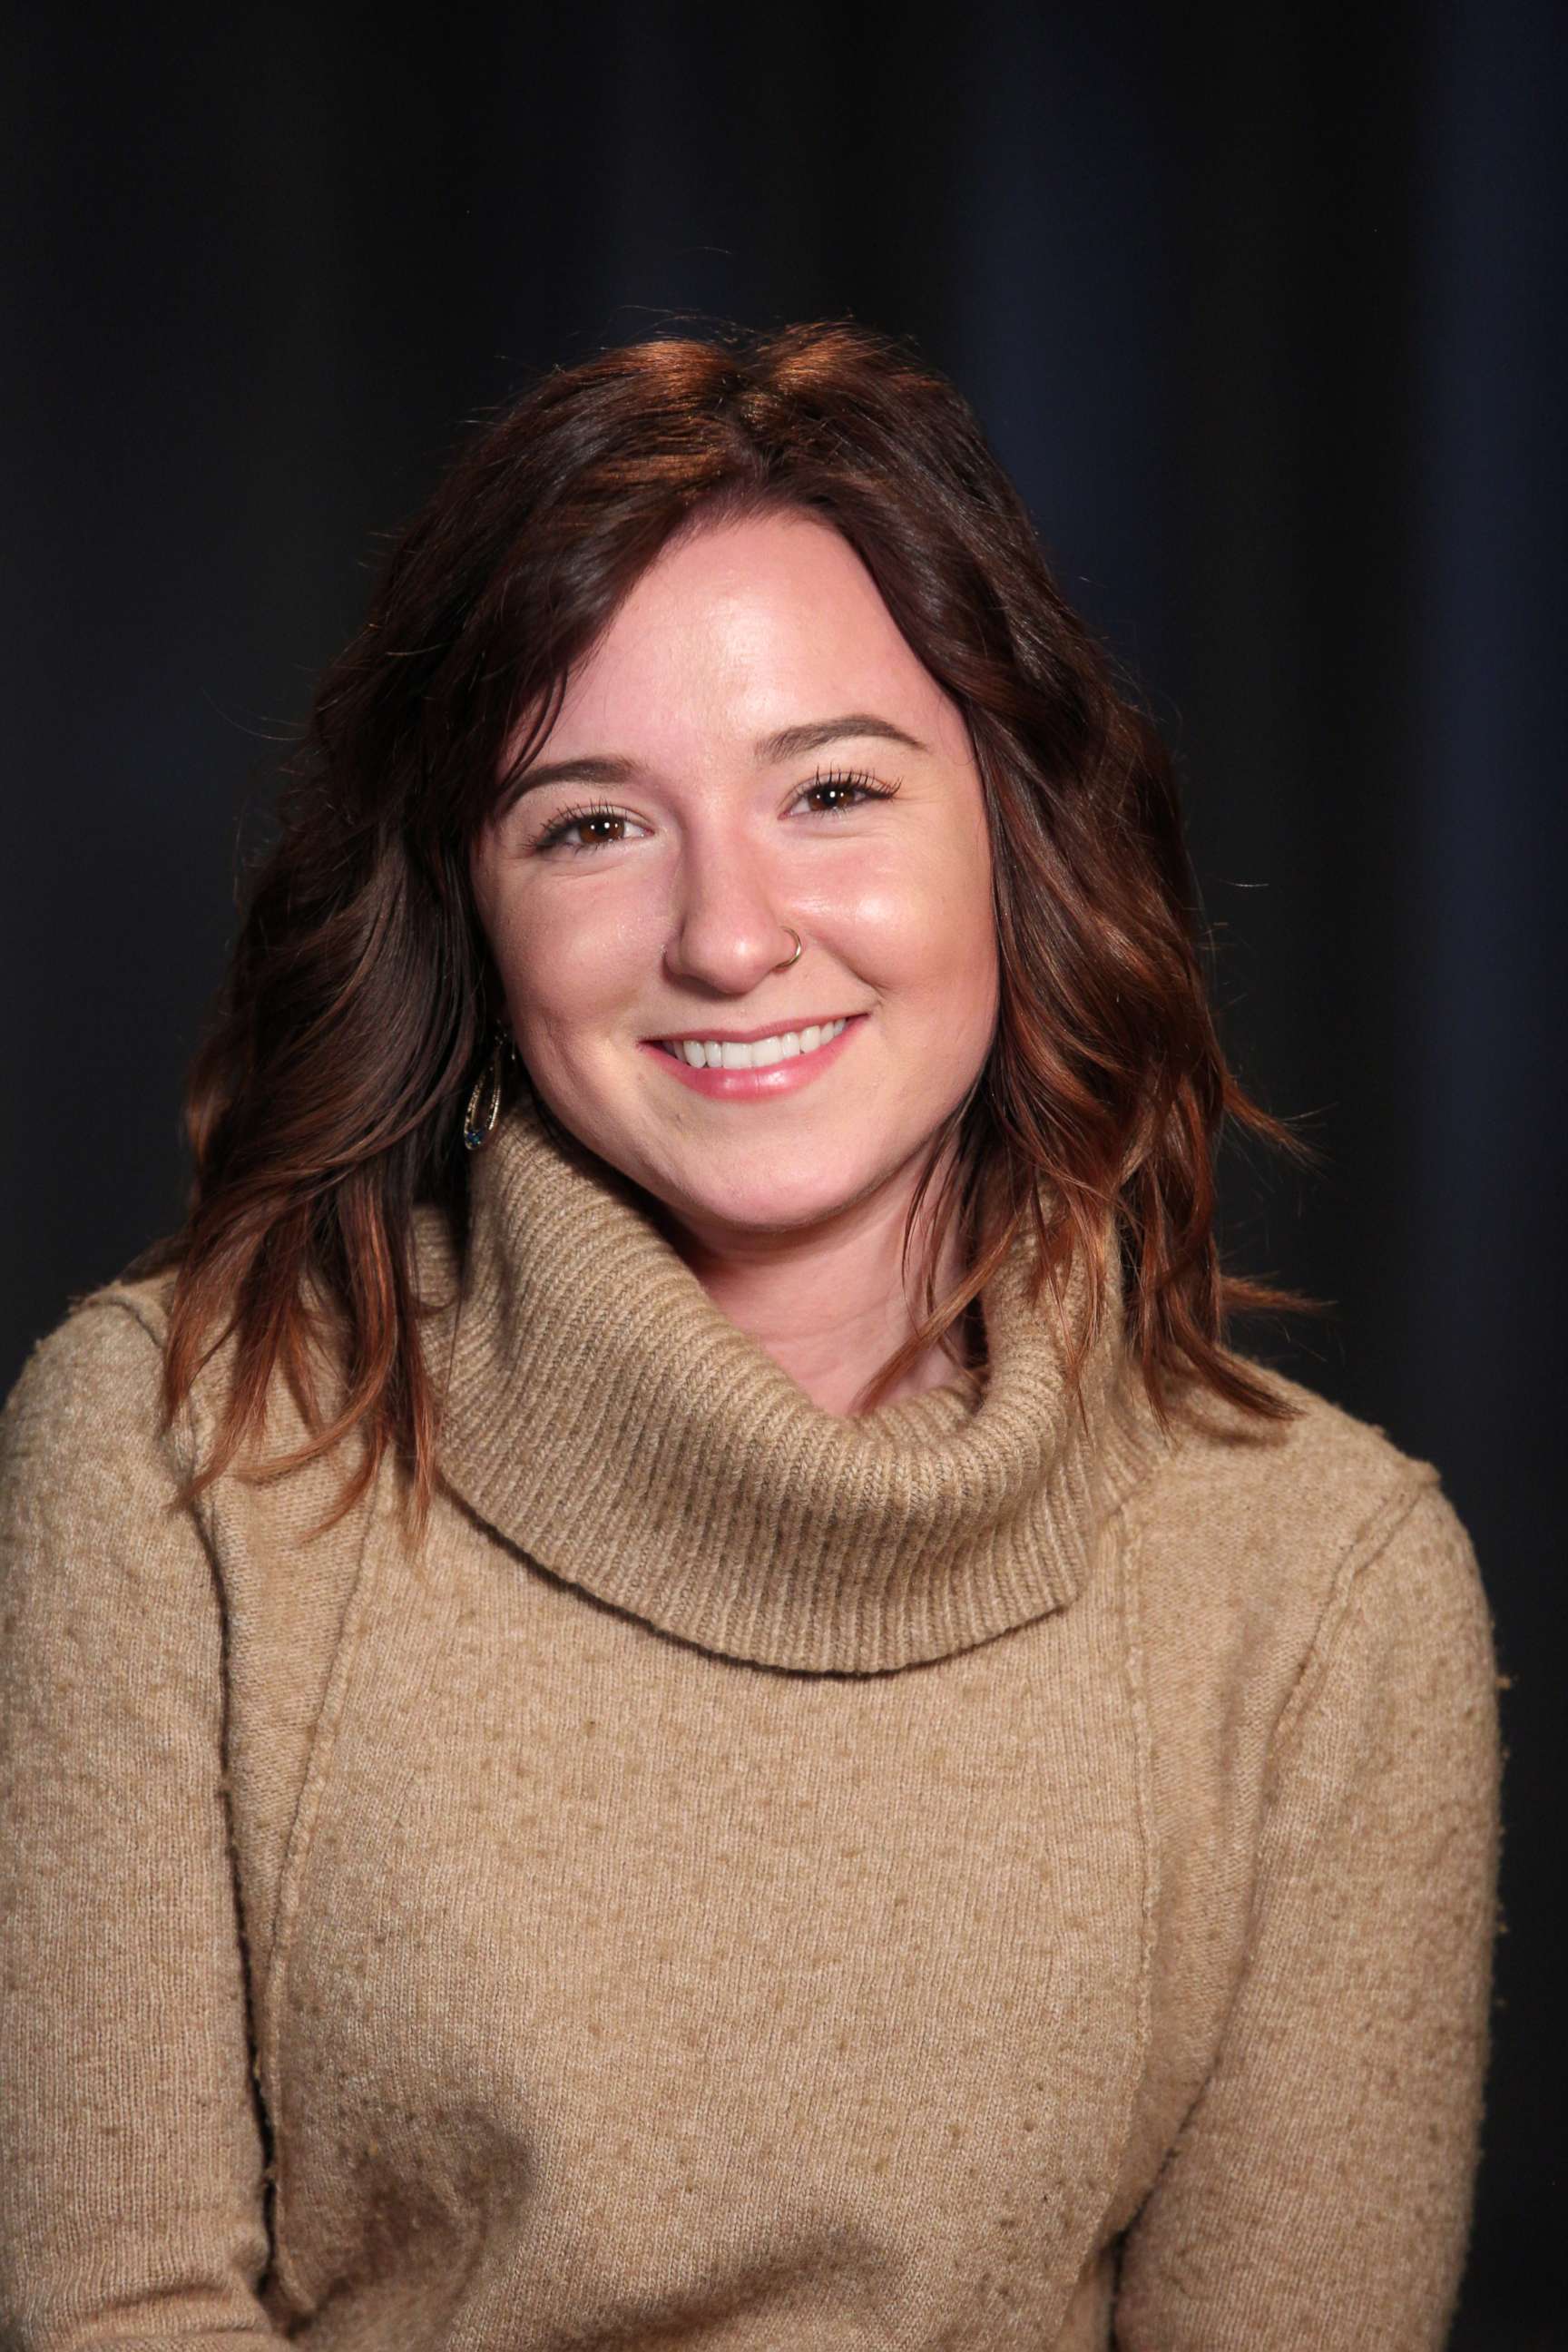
(743, 1085)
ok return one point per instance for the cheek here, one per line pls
(567, 957)
(925, 933)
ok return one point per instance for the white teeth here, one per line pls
(760, 1055)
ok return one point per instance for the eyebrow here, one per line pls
(788, 743)
(791, 742)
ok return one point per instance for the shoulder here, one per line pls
(106, 1353)
(1256, 1537)
(1319, 1476)
(92, 1517)
(110, 1620)
(97, 1372)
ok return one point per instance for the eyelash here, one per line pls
(840, 778)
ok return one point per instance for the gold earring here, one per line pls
(483, 1114)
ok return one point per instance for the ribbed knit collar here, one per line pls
(606, 1418)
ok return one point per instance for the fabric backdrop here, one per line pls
(1262, 305)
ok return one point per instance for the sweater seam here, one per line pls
(297, 1851)
(1130, 1546)
(195, 1424)
(1365, 1548)
(113, 1300)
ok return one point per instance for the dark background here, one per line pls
(1263, 306)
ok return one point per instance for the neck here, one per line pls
(829, 1305)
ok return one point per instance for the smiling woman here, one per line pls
(572, 616)
(666, 1682)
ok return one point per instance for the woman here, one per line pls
(664, 1683)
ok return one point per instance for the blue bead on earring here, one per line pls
(483, 1114)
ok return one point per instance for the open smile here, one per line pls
(775, 1061)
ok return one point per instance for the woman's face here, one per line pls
(751, 749)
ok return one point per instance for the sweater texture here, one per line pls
(982, 1874)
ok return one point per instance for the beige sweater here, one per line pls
(955, 1879)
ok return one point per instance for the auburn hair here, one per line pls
(324, 1106)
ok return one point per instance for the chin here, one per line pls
(769, 1198)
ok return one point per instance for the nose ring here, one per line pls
(796, 958)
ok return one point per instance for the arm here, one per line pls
(1319, 2192)
(131, 2183)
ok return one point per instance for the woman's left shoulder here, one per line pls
(1264, 1527)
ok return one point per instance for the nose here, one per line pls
(728, 929)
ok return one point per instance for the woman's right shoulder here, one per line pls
(92, 1387)
(85, 1416)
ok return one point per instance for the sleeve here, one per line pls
(1319, 2192)
(132, 2177)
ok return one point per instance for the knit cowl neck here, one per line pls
(609, 1421)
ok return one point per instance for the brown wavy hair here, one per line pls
(325, 1104)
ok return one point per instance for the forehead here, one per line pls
(740, 630)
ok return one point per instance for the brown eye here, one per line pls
(594, 828)
(829, 795)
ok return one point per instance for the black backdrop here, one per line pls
(1262, 304)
